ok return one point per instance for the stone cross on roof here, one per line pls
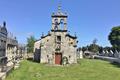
(59, 7)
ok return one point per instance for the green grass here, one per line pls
(85, 70)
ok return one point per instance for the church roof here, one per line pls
(59, 14)
(45, 36)
(74, 37)
(59, 30)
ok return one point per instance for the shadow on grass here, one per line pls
(116, 64)
(32, 60)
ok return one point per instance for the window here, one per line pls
(47, 40)
(56, 24)
(62, 23)
(47, 56)
(59, 38)
(71, 43)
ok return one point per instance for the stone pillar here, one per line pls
(81, 54)
(65, 24)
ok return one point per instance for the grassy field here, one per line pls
(85, 70)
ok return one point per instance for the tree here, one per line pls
(30, 44)
(94, 47)
(114, 37)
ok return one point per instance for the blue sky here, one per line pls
(90, 19)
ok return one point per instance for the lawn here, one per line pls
(85, 70)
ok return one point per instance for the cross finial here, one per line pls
(42, 34)
(4, 23)
(59, 6)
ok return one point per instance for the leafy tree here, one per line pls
(114, 37)
(93, 47)
(30, 44)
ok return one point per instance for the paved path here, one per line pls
(111, 59)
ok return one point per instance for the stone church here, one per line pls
(58, 44)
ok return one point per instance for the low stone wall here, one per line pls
(111, 59)
(9, 67)
(4, 74)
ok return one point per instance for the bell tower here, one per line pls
(59, 20)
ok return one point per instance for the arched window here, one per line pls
(62, 23)
(56, 24)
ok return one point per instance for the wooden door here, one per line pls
(58, 58)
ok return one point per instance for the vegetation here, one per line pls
(30, 44)
(84, 70)
(114, 37)
(92, 47)
(97, 48)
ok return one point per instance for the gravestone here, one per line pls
(81, 54)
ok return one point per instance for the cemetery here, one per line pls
(58, 54)
(21, 65)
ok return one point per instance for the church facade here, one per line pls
(58, 44)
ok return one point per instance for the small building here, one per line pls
(58, 45)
